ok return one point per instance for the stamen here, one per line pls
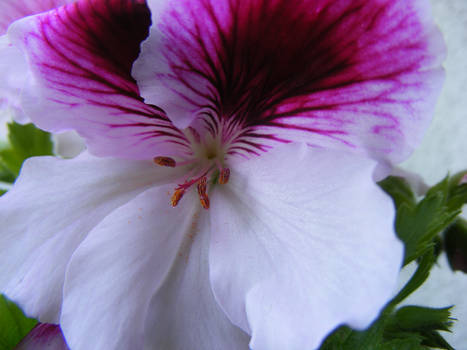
(203, 196)
(178, 194)
(224, 176)
(204, 200)
(165, 161)
(202, 186)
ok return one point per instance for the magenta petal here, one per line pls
(44, 336)
(81, 56)
(359, 74)
(11, 10)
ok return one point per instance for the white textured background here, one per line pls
(445, 149)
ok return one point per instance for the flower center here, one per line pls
(205, 165)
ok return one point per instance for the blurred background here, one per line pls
(444, 149)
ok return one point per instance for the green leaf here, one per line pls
(13, 324)
(434, 340)
(25, 141)
(411, 342)
(418, 278)
(419, 318)
(5, 174)
(336, 340)
(418, 226)
(399, 190)
(345, 338)
(2, 192)
(457, 196)
(369, 339)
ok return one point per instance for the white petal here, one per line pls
(114, 274)
(15, 73)
(184, 313)
(302, 241)
(49, 211)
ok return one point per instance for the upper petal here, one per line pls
(353, 74)
(13, 66)
(49, 211)
(302, 241)
(80, 56)
(144, 247)
(11, 10)
(14, 73)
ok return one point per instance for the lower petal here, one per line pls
(302, 241)
(47, 214)
(184, 313)
(110, 299)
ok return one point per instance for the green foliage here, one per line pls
(410, 327)
(14, 325)
(5, 174)
(399, 190)
(455, 244)
(24, 141)
(418, 318)
(418, 278)
(418, 224)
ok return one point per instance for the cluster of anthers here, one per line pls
(206, 159)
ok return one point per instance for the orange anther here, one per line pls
(202, 186)
(203, 196)
(204, 200)
(224, 176)
(165, 161)
(178, 194)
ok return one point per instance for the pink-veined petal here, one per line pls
(11, 10)
(356, 74)
(13, 66)
(50, 210)
(44, 336)
(303, 247)
(80, 56)
(116, 271)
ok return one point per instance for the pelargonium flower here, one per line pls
(228, 198)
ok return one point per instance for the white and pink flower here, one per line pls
(272, 115)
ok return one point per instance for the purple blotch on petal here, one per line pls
(44, 336)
